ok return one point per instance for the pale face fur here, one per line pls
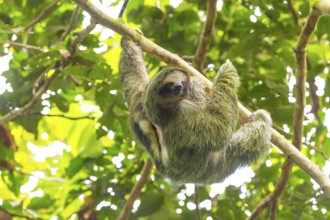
(172, 89)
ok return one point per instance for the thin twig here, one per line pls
(136, 191)
(317, 150)
(160, 53)
(198, 211)
(35, 98)
(57, 70)
(123, 8)
(289, 135)
(280, 186)
(39, 80)
(42, 15)
(46, 178)
(26, 46)
(204, 42)
(70, 27)
(271, 199)
(58, 115)
(293, 12)
(81, 35)
(314, 98)
(273, 211)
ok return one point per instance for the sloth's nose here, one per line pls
(177, 86)
(174, 86)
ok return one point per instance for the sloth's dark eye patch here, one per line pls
(171, 88)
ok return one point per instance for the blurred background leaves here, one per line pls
(76, 157)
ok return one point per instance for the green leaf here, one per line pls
(44, 59)
(60, 102)
(150, 203)
(75, 165)
(41, 202)
(13, 181)
(91, 41)
(101, 72)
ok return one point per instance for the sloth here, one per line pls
(190, 134)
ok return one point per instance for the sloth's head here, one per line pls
(170, 86)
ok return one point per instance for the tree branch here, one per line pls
(36, 95)
(70, 27)
(148, 46)
(196, 200)
(314, 98)
(298, 131)
(293, 12)
(204, 42)
(151, 48)
(301, 73)
(136, 191)
(59, 115)
(35, 98)
(317, 150)
(123, 8)
(26, 46)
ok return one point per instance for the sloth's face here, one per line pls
(172, 89)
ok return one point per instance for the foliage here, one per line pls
(75, 151)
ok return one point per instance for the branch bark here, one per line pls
(160, 53)
(196, 200)
(26, 46)
(148, 46)
(136, 191)
(204, 42)
(293, 12)
(314, 98)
